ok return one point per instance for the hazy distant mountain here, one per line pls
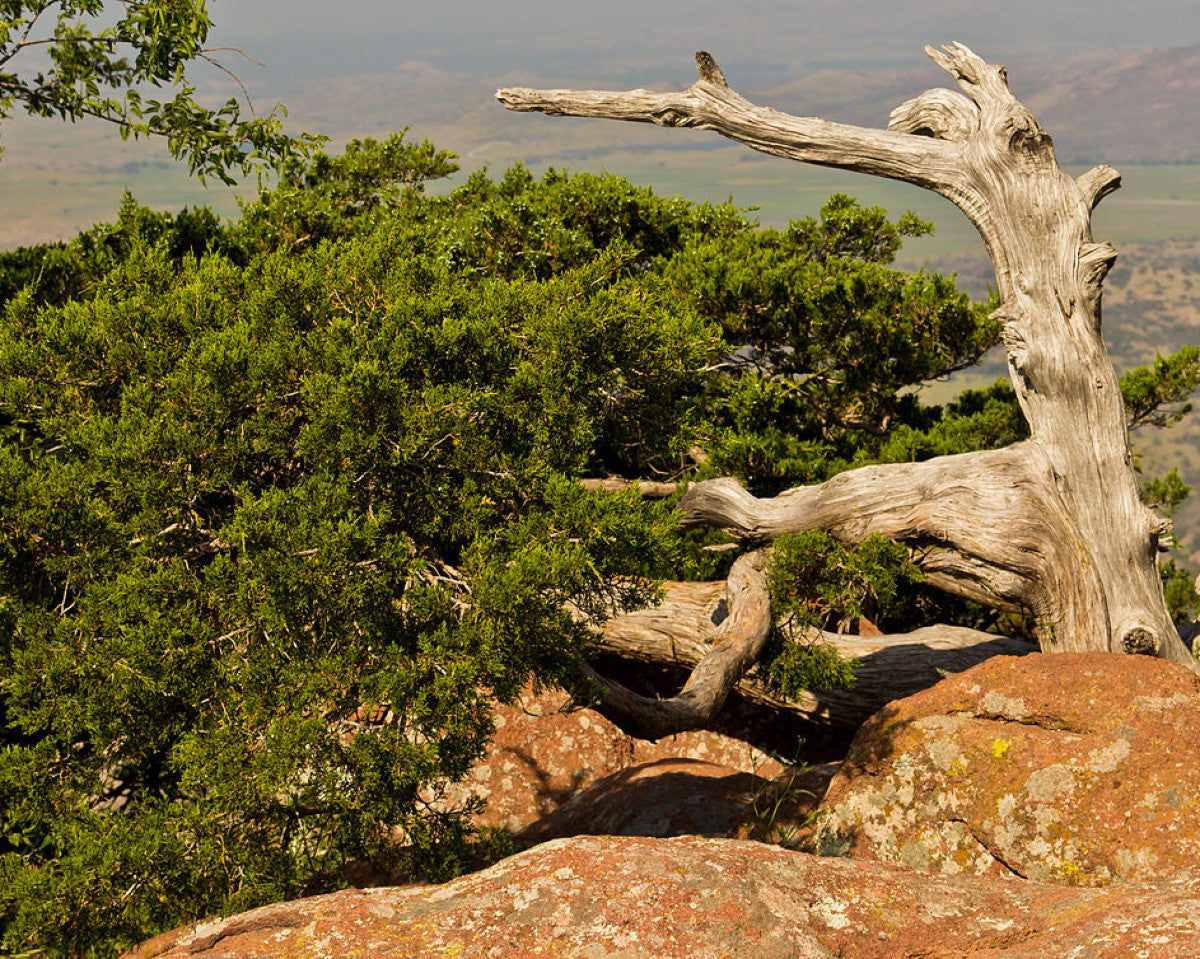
(1143, 107)
(760, 40)
(1099, 107)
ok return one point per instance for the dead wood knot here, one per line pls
(1139, 641)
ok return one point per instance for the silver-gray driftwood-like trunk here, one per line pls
(1054, 524)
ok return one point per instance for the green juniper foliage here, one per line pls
(1165, 495)
(285, 503)
(830, 339)
(1156, 394)
(817, 583)
(245, 506)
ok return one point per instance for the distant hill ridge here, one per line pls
(1100, 107)
(1111, 107)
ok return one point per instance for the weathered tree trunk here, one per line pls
(1053, 524)
(729, 644)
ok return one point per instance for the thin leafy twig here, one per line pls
(204, 55)
(28, 30)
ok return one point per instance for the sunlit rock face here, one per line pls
(695, 898)
(1080, 769)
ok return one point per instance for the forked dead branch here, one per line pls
(1053, 524)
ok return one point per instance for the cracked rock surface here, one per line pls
(642, 898)
(1074, 768)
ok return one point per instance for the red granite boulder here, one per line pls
(544, 752)
(695, 898)
(1081, 769)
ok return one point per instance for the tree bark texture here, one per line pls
(734, 639)
(1053, 524)
(683, 630)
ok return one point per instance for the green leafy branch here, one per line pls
(76, 68)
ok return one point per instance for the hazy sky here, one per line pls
(781, 38)
(352, 68)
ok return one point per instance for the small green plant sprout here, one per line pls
(783, 810)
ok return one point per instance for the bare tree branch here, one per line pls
(711, 104)
(682, 630)
(650, 489)
(736, 646)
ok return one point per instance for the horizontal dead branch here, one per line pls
(971, 578)
(680, 632)
(650, 489)
(711, 104)
(989, 526)
(1097, 183)
(944, 499)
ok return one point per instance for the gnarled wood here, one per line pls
(1054, 524)
(681, 632)
(711, 104)
(736, 643)
(982, 527)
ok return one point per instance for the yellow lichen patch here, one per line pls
(1000, 747)
(1069, 872)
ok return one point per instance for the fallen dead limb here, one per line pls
(685, 630)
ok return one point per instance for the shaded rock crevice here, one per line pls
(1045, 721)
(981, 837)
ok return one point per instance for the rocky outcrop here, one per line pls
(1081, 769)
(1019, 785)
(544, 752)
(686, 797)
(707, 898)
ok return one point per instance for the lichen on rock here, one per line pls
(1068, 768)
